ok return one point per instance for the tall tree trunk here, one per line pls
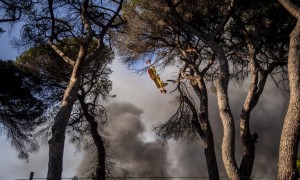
(100, 169)
(291, 128)
(246, 165)
(209, 151)
(57, 141)
(257, 85)
(248, 141)
(228, 144)
(200, 89)
(201, 120)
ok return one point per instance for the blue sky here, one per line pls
(6, 50)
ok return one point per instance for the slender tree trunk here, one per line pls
(209, 150)
(248, 139)
(204, 130)
(210, 154)
(201, 122)
(228, 144)
(255, 90)
(246, 165)
(100, 169)
(56, 143)
(291, 128)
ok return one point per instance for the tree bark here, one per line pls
(209, 150)
(246, 165)
(201, 121)
(257, 85)
(248, 139)
(291, 128)
(100, 169)
(56, 143)
(228, 143)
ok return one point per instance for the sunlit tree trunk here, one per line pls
(228, 143)
(56, 143)
(291, 128)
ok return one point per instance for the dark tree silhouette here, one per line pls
(88, 116)
(87, 22)
(20, 109)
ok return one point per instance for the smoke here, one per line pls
(266, 120)
(132, 156)
(135, 155)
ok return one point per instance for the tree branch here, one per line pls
(100, 42)
(224, 20)
(189, 27)
(61, 53)
(291, 7)
(53, 34)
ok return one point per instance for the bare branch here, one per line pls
(61, 53)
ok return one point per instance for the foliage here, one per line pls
(20, 109)
(13, 10)
(298, 163)
(254, 27)
(183, 124)
(53, 75)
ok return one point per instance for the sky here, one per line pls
(137, 108)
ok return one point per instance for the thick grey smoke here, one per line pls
(136, 156)
(133, 156)
(266, 120)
